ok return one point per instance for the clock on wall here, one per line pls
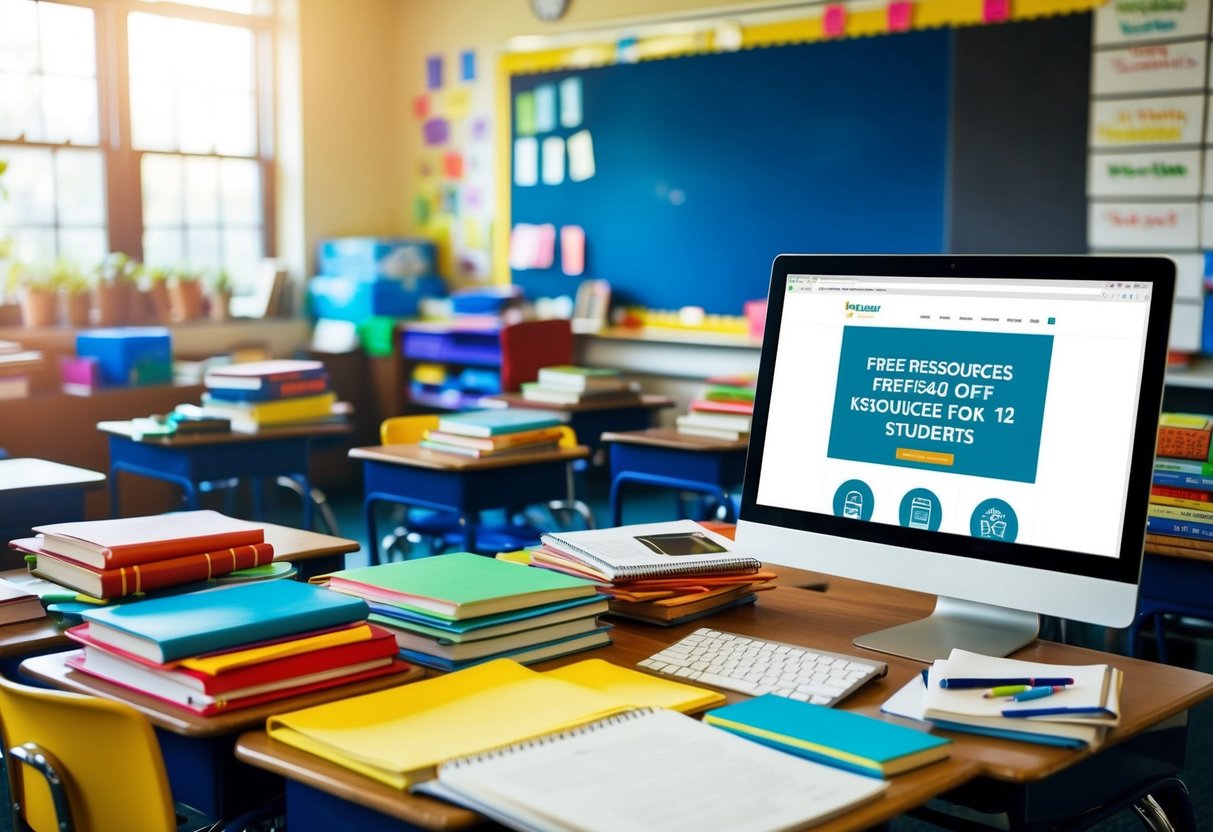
(549, 10)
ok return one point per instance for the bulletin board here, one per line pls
(707, 166)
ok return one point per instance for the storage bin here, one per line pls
(350, 298)
(371, 257)
(129, 355)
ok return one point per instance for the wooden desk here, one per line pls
(1024, 776)
(665, 458)
(34, 492)
(190, 461)
(414, 476)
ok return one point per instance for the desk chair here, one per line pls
(77, 762)
(1170, 586)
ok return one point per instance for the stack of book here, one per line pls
(1180, 514)
(1066, 705)
(108, 559)
(459, 609)
(266, 394)
(234, 647)
(663, 573)
(566, 384)
(493, 433)
(16, 364)
(722, 411)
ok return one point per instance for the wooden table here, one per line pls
(34, 492)
(414, 476)
(665, 458)
(193, 460)
(1022, 778)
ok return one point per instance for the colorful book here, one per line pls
(705, 406)
(729, 393)
(136, 578)
(1191, 494)
(18, 604)
(529, 654)
(1184, 466)
(486, 626)
(580, 379)
(537, 392)
(462, 651)
(496, 443)
(1189, 543)
(494, 422)
(1179, 527)
(124, 541)
(253, 375)
(176, 626)
(672, 616)
(271, 390)
(475, 453)
(1185, 436)
(458, 585)
(1182, 479)
(724, 421)
(251, 415)
(836, 737)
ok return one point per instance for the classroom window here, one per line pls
(138, 127)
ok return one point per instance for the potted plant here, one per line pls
(75, 293)
(116, 289)
(219, 294)
(156, 289)
(37, 292)
(185, 295)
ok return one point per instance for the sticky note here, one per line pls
(524, 114)
(524, 241)
(473, 197)
(421, 105)
(526, 161)
(545, 108)
(474, 235)
(480, 128)
(898, 15)
(553, 160)
(467, 65)
(995, 11)
(834, 21)
(450, 200)
(572, 250)
(421, 209)
(545, 246)
(452, 164)
(570, 102)
(436, 131)
(457, 103)
(581, 156)
(433, 72)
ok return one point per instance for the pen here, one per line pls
(1005, 690)
(1053, 711)
(1036, 693)
(1031, 681)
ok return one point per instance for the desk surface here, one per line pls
(829, 620)
(418, 457)
(30, 474)
(127, 430)
(672, 439)
(646, 402)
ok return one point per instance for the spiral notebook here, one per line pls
(645, 550)
(651, 769)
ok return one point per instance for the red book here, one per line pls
(144, 577)
(252, 375)
(1184, 436)
(746, 408)
(123, 541)
(1181, 493)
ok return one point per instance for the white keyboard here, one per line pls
(755, 666)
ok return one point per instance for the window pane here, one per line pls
(196, 119)
(235, 124)
(34, 245)
(237, 6)
(80, 181)
(163, 197)
(240, 186)
(20, 105)
(18, 35)
(153, 115)
(30, 184)
(85, 247)
(242, 253)
(202, 192)
(202, 250)
(70, 109)
(163, 248)
(68, 42)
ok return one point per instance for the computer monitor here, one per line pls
(979, 428)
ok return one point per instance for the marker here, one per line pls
(1025, 712)
(1031, 681)
(1005, 690)
(1036, 693)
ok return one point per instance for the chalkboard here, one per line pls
(708, 166)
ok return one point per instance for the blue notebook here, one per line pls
(598, 637)
(835, 737)
(498, 421)
(176, 626)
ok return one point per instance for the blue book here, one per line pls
(598, 637)
(498, 421)
(1181, 528)
(843, 739)
(486, 626)
(177, 626)
(1182, 479)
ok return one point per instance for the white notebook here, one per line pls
(654, 770)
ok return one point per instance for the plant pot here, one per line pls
(219, 305)
(186, 299)
(76, 308)
(39, 307)
(162, 306)
(112, 304)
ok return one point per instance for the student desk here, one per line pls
(192, 460)
(414, 476)
(1176, 582)
(34, 492)
(1029, 782)
(665, 458)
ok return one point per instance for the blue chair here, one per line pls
(1170, 586)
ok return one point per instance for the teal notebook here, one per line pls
(498, 421)
(175, 626)
(839, 738)
(487, 626)
(459, 585)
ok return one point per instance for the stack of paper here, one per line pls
(459, 609)
(966, 692)
(236, 646)
(127, 555)
(664, 573)
(494, 433)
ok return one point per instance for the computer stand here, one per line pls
(978, 628)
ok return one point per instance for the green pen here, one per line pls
(1005, 690)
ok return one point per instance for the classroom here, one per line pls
(409, 408)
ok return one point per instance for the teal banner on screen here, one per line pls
(954, 402)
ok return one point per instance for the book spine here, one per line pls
(1181, 502)
(1190, 494)
(220, 379)
(1184, 442)
(289, 389)
(142, 553)
(1180, 527)
(1199, 515)
(1182, 480)
(1184, 466)
(144, 577)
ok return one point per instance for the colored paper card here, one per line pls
(457, 103)
(474, 233)
(1164, 66)
(1157, 120)
(524, 114)
(581, 156)
(421, 105)
(467, 65)
(433, 72)
(995, 11)
(480, 128)
(898, 15)
(450, 200)
(1174, 173)
(452, 164)
(526, 161)
(570, 102)
(473, 197)
(1133, 22)
(553, 160)
(572, 250)
(421, 209)
(1128, 226)
(524, 246)
(834, 20)
(436, 131)
(545, 108)
(545, 252)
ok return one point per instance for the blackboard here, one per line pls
(708, 166)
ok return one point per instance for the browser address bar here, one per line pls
(830, 284)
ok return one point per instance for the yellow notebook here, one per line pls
(221, 662)
(399, 736)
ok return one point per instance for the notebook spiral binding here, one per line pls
(723, 566)
(546, 739)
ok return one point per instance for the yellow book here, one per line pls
(399, 736)
(274, 412)
(1180, 502)
(215, 664)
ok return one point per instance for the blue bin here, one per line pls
(347, 298)
(372, 257)
(129, 355)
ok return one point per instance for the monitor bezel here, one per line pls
(1126, 567)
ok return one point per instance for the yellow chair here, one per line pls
(79, 762)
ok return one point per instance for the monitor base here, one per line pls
(978, 628)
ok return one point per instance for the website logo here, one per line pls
(864, 310)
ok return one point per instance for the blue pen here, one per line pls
(1036, 693)
(1054, 711)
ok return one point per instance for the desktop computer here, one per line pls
(981, 428)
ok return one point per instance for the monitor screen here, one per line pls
(980, 428)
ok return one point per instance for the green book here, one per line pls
(459, 585)
(495, 422)
(835, 737)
